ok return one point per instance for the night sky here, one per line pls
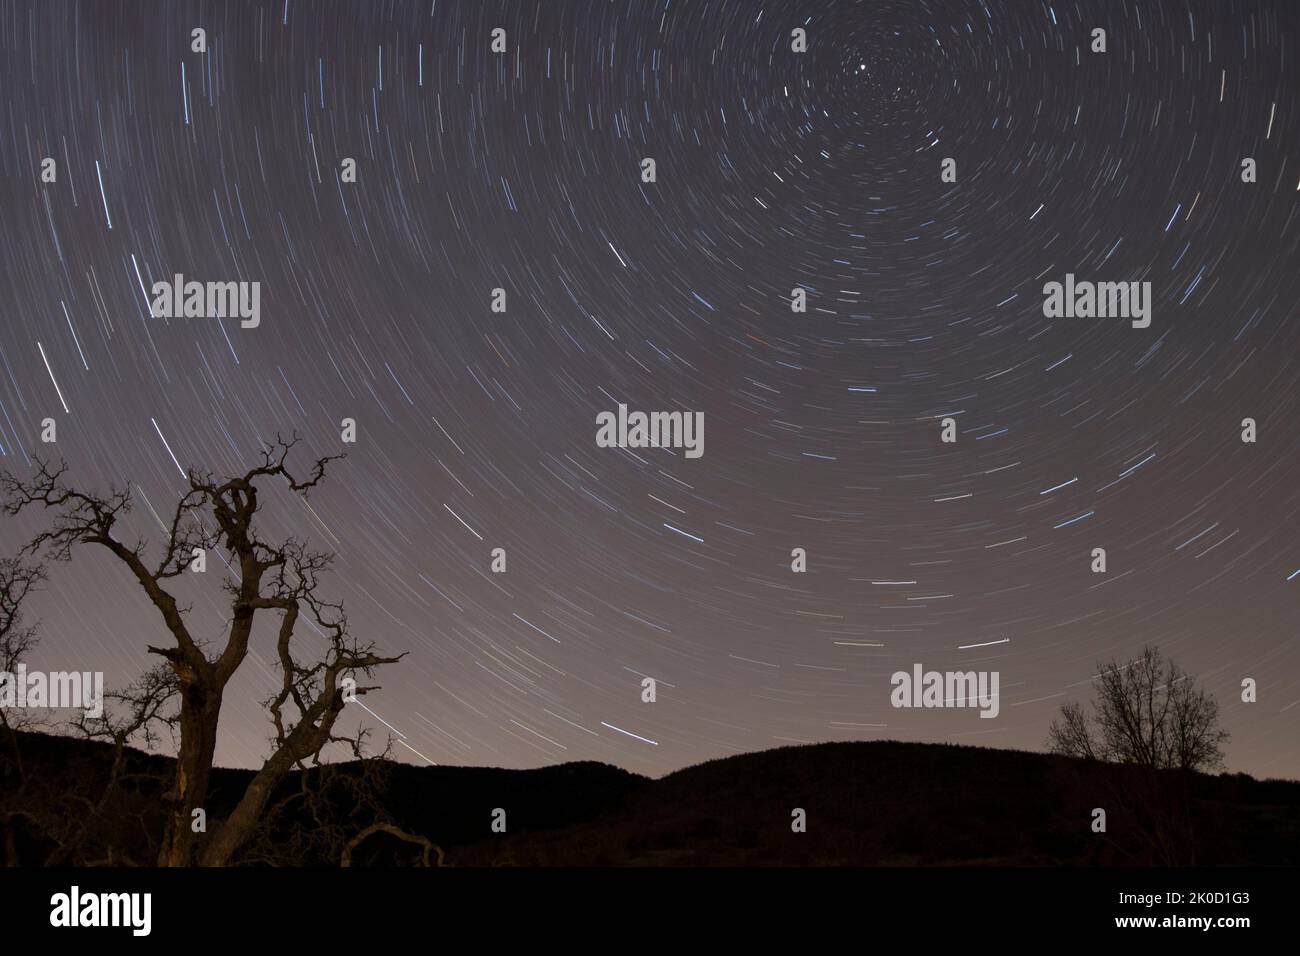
(775, 170)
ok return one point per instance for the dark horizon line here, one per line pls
(746, 753)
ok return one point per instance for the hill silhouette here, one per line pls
(873, 803)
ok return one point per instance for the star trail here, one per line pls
(774, 171)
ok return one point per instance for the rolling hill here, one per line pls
(871, 803)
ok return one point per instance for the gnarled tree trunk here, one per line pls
(200, 712)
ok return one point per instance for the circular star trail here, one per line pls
(775, 170)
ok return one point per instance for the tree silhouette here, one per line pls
(1147, 712)
(17, 641)
(280, 578)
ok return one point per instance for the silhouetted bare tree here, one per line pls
(1147, 712)
(17, 641)
(280, 578)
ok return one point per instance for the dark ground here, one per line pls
(886, 803)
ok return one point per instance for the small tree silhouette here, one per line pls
(1147, 712)
(279, 578)
(17, 641)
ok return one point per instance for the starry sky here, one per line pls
(775, 170)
